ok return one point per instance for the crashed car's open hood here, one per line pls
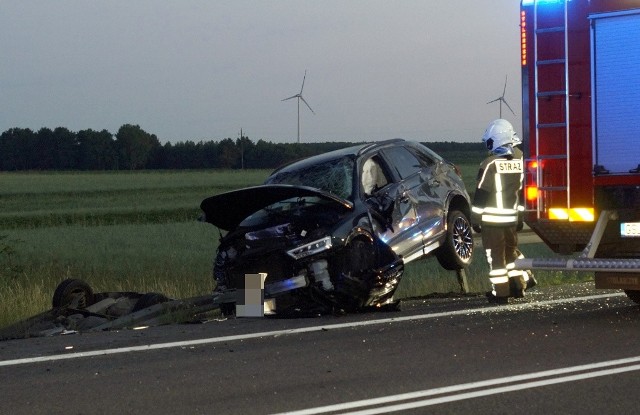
(227, 210)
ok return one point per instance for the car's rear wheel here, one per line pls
(457, 248)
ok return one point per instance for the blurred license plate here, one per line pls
(630, 229)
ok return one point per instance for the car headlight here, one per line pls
(311, 248)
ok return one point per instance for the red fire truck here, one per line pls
(580, 63)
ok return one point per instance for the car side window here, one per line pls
(426, 159)
(403, 161)
(373, 176)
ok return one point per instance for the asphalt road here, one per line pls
(567, 349)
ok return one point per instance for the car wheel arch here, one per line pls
(456, 202)
(456, 251)
(359, 232)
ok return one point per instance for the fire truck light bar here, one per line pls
(572, 215)
(530, 2)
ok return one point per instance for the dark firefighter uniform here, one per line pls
(496, 208)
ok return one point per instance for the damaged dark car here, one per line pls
(334, 231)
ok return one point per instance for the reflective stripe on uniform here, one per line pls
(498, 272)
(519, 273)
(489, 260)
(498, 184)
(499, 280)
(499, 219)
(500, 211)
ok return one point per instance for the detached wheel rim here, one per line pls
(462, 238)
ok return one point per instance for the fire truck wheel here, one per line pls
(634, 295)
(457, 248)
(72, 293)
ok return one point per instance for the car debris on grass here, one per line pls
(76, 308)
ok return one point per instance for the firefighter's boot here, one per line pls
(499, 294)
(531, 282)
(517, 286)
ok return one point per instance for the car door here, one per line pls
(406, 237)
(431, 198)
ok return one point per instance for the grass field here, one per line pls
(139, 231)
(129, 231)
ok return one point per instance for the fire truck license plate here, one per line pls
(630, 229)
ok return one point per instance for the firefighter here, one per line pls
(497, 210)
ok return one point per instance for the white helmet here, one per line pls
(499, 137)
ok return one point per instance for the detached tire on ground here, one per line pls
(457, 249)
(72, 293)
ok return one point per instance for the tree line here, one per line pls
(132, 148)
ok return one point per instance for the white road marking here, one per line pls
(188, 343)
(535, 379)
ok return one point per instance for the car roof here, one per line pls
(353, 151)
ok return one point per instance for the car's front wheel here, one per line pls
(457, 248)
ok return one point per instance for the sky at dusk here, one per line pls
(204, 70)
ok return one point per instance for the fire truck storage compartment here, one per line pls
(615, 40)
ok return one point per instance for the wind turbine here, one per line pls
(501, 98)
(300, 97)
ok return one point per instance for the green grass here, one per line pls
(469, 175)
(86, 182)
(32, 200)
(119, 231)
(138, 231)
(172, 258)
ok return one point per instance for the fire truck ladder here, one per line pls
(553, 154)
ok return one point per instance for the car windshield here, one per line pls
(334, 176)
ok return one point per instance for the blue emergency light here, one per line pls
(530, 2)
